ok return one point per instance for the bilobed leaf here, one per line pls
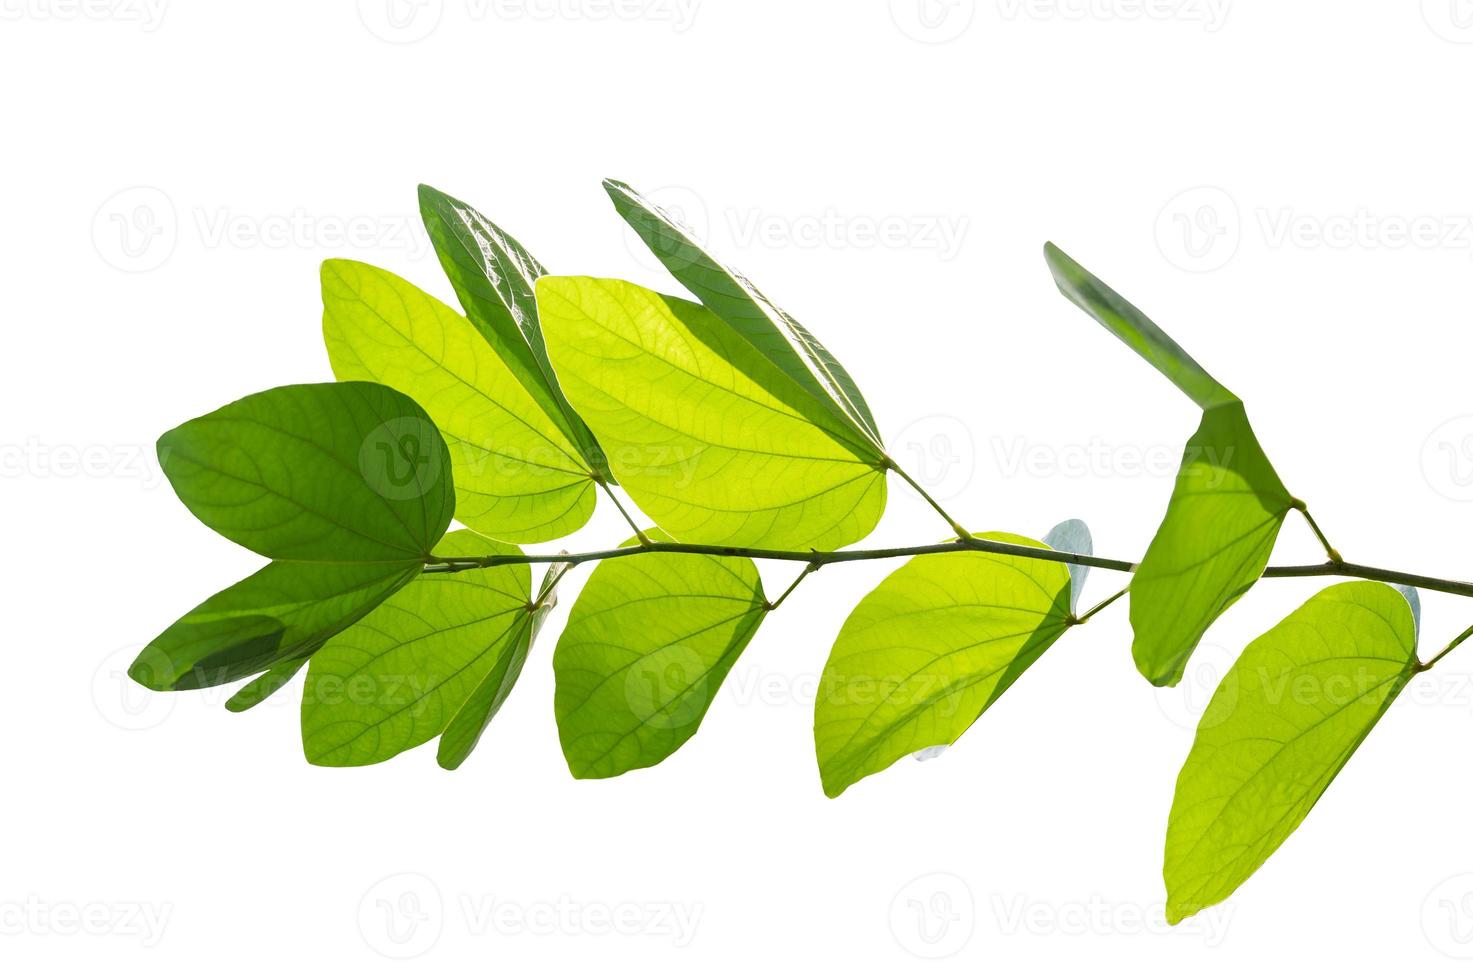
(647, 645)
(493, 275)
(1227, 507)
(1213, 544)
(470, 720)
(345, 485)
(283, 612)
(317, 472)
(730, 295)
(262, 686)
(397, 678)
(711, 440)
(517, 476)
(1282, 724)
(928, 651)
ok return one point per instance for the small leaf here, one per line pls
(1073, 537)
(317, 472)
(727, 293)
(493, 275)
(1137, 330)
(712, 441)
(517, 476)
(470, 720)
(647, 645)
(264, 685)
(1213, 544)
(396, 679)
(1281, 725)
(928, 651)
(283, 612)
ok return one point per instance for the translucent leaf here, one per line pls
(1073, 537)
(517, 476)
(318, 472)
(397, 678)
(928, 651)
(727, 293)
(712, 441)
(647, 645)
(493, 275)
(1281, 725)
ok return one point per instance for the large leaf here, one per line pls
(1282, 724)
(345, 485)
(517, 476)
(317, 472)
(647, 645)
(397, 678)
(931, 648)
(730, 295)
(493, 275)
(712, 441)
(1227, 507)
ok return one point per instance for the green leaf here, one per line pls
(317, 472)
(1282, 724)
(345, 485)
(1213, 544)
(711, 440)
(928, 651)
(730, 295)
(397, 678)
(264, 685)
(283, 612)
(1137, 330)
(647, 645)
(1227, 507)
(517, 476)
(470, 720)
(493, 275)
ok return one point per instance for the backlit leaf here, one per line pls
(711, 440)
(1282, 724)
(493, 275)
(395, 679)
(928, 651)
(647, 645)
(730, 295)
(517, 476)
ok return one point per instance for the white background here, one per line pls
(1247, 172)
